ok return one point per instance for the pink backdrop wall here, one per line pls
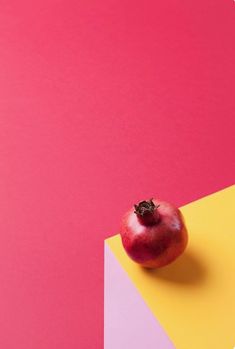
(102, 104)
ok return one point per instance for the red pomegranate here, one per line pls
(153, 233)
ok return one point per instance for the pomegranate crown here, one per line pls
(145, 207)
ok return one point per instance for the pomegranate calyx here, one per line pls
(145, 212)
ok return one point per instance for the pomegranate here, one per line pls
(153, 233)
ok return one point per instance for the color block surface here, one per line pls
(193, 298)
(100, 102)
(129, 323)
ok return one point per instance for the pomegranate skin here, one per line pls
(158, 240)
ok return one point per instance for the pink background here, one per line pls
(102, 104)
(128, 321)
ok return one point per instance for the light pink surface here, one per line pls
(129, 324)
(102, 104)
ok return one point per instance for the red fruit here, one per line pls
(153, 233)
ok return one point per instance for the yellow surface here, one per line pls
(194, 297)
